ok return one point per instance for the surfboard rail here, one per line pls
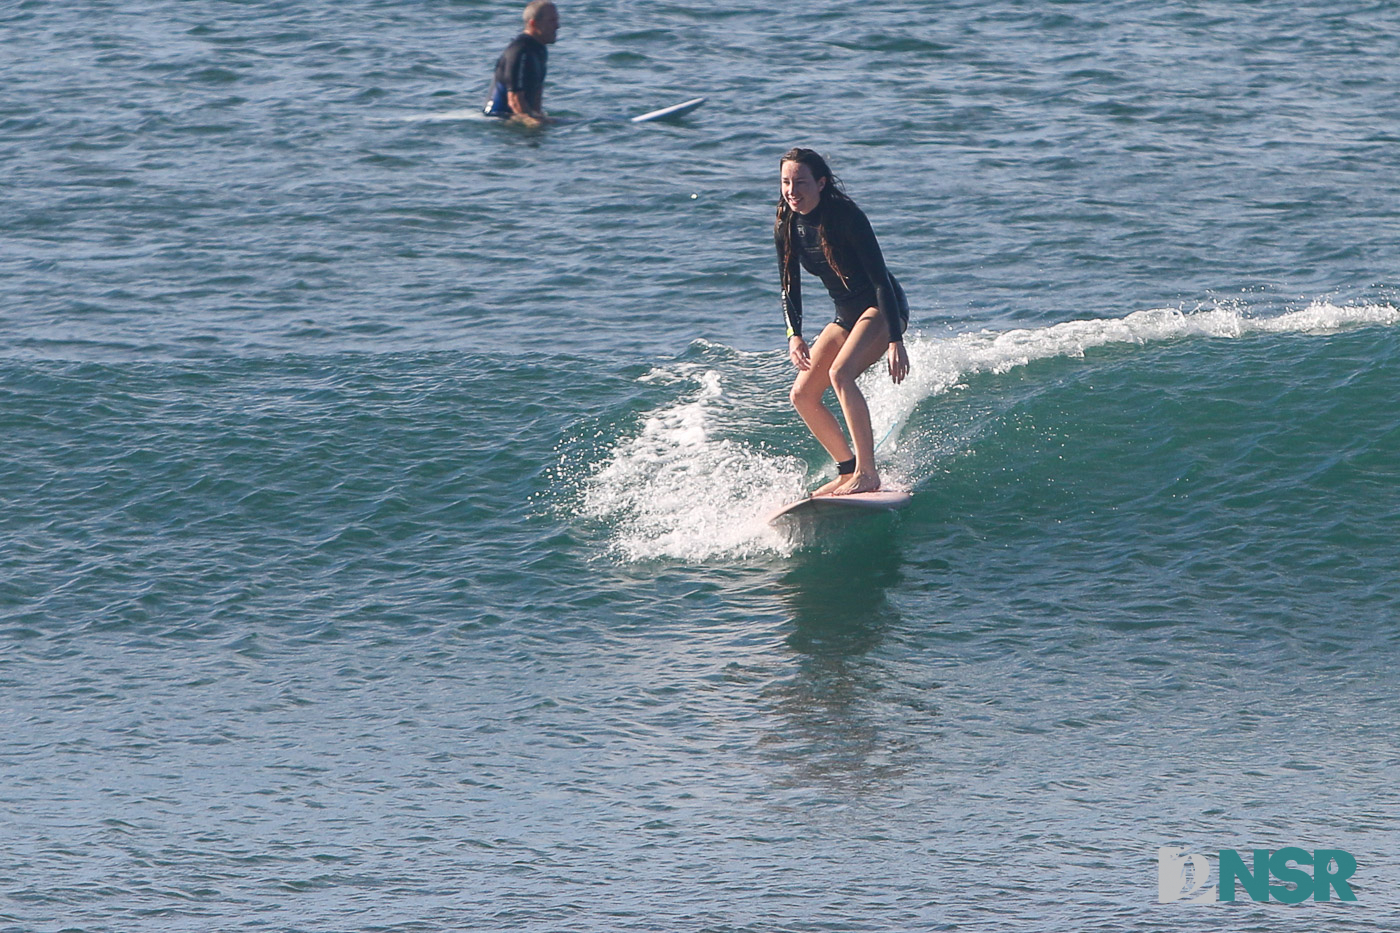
(884, 500)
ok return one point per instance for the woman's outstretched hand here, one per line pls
(797, 352)
(899, 362)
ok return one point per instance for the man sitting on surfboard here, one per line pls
(517, 88)
(819, 228)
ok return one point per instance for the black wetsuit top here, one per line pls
(867, 283)
(521, 69)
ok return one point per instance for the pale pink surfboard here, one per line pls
(886, 500)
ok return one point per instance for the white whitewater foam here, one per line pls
(676, 490)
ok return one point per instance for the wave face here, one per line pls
(694, 478)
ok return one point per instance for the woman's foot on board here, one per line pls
(857, 482)
(844, 469)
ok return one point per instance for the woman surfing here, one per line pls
(820, 229)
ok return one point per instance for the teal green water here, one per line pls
(383, 545)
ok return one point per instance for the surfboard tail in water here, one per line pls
(673, 112)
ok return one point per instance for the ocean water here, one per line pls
(382, 544)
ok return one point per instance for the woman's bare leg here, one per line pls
(867, 343)
(806, 396)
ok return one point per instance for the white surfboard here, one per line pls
(668, 113)
(854, 505)
(447, 116)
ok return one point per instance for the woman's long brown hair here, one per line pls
(833, 199)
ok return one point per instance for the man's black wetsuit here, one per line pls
(867, 283)
(521, 69)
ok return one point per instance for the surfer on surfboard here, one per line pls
(517, 87)
(820, 229)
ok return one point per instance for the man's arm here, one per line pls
(522, 110)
